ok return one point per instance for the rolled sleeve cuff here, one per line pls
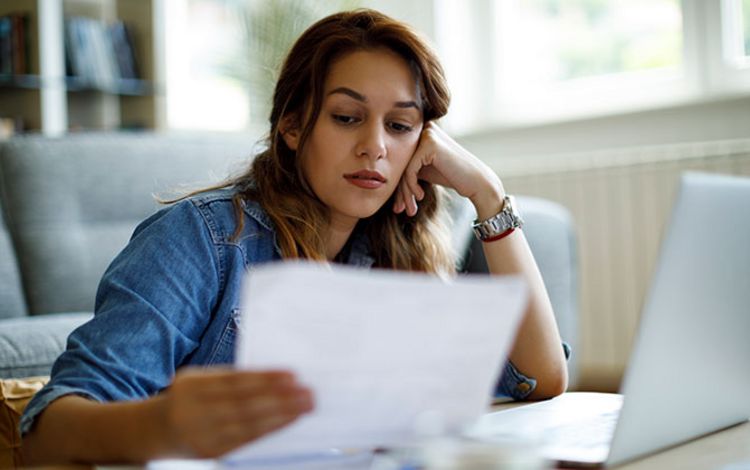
(42, 400)
(517, 386)
(514, 384)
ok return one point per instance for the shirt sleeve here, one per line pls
(152, 307)
(516, 385)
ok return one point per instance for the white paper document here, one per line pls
(382, 351)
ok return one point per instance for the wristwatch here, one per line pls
(500, 225)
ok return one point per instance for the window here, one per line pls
(554, 60)
(736, 21)
(508, 62)
(201, 36)
(549, 41)
(222, 56)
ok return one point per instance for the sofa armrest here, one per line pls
(30, 345)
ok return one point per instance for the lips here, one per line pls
(366, 179)
(366, 175)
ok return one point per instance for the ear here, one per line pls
(290, 132)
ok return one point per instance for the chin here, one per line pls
(363, 212)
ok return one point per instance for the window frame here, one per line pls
(727, 75)
(485, 103)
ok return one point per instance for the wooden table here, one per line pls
(728, 449)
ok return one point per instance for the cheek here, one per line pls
(305, 166)
(314, 152)
(404, 153)
(324, 146)
(310, 164)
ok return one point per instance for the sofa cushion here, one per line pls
(73, 202)
(29, 346)
(12, 302)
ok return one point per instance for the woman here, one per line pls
(350, 175)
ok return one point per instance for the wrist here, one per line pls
(159, 439)
(489, 201)
(500, 225)
(137, 431)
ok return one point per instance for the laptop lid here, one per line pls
(688, 374)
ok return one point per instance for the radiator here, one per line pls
(620, 201)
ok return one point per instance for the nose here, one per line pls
(371, 142)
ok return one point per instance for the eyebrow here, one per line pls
(359, 97)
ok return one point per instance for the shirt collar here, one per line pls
(360, 251)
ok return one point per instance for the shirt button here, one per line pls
(523, 387)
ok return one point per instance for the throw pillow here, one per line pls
(15, 394)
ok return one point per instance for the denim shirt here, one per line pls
(170, 299)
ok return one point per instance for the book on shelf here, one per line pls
(122, 42)
(6, 45)
(98, 54)
(14, 44)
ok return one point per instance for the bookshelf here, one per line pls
(40, 95)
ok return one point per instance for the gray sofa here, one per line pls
(70, 204)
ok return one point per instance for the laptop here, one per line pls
(688, 374)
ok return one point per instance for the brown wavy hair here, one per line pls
(276, 180)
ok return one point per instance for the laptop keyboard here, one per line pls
(591, 432)
(587, 433)
(574, 421)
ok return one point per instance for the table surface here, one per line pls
(728, 449)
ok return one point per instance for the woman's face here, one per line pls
(368, 129)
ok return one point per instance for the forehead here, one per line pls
(378, 73)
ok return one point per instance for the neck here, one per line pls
(339, 232)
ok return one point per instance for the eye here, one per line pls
(344, 119)
(399, 128)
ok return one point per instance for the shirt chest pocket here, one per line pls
(223, 352)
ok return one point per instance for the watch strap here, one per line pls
(501, 224)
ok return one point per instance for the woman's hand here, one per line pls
(204, 413)
(441, 160)
(210, 412)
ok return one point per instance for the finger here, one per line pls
(398, 206)
(404, 196)
(226, 374)
(239, 384)
(409, 201)
(238, 434)
(411, 177)
(294, 402)
(207, 420)
(217, 418)
(413, 208)
(430, 174)
(398, 201)
(415, 188)
(233, 435)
